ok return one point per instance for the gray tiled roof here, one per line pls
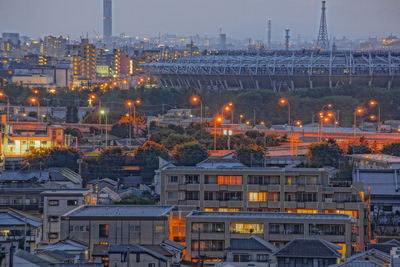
(309, 248)
(32, 258)
(251, 244)
(119, 211)
(384, 247)
(8, 217)
(381, 181)
(360, 263)
(132, 248)
(272, 215)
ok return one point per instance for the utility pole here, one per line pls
(322, 39)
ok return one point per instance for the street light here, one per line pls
(228, 108)
(358, 111)
(374, 103)
(218, 120)
(53, 91)
(196, 100)
(283, 102)
(2, 94)
(130, 104)
(241, 116)
(103, 112)
(33, 100)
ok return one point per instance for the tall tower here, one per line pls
(322, 40)
(287, 39)
(269, 31)
(107, 22)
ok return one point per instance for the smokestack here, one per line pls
(287, 39)
(269, 31)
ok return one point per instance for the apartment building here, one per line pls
(57, 203)
(218, 229)
(226, 188)
(116, 224)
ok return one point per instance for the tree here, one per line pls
(72, 114)
(176, 139)
(189, 154)
(75, 132)
(250, 155)
(392, 149)
(345, 173)
(361, 149)
(121, 130)
(111, 158)
(145, 199)
(328, 153)
(54, 157)
(254, 134)
(146, 156)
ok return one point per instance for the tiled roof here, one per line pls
(65, 245)
(360, 263)
(252, 243)
(135, 249)
(309, 248)
(35, 260)
(9, 217)
(119, 211)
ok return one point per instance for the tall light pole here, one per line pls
(2, 94)
(374, 103)
(129, 104)
(283, 102)
(103, 112)
(137, 102)
(196, 100)
(357, 111)
(34, 101)
(218, 119)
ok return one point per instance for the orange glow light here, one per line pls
(53, 91)
(124, 81)
(195, 99)
(298, 122)
(372, 103)
(262, 123)
(282, 101)
(326, 119)
(330, 114)
(241, 116)
(330, 105)
(360, 110)
(33, 100)
(92, 96)
(36, 91)
(372, 117)
(2, 94)
(129, 103)
(247, 122)
(138, 101)
(227, 108)
(230, 104)
(219, 119)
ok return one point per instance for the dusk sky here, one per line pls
(239, 18)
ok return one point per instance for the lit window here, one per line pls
(247, 228)
(229, 179)
(257, 196)
(159, 228)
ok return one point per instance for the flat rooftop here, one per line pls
(377, 157)
(119, 211)
(271, 215)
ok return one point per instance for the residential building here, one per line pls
(382, 187)
(226, 186)
(308, 252)
(17, 225)
(116, 224)
(67, 250)
(218, 229)
(57, 203)
(20, 138)
(135, 255)
(55, 46)
(369, 258)
(375, 161)
(253, 251)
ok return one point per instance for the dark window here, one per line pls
(53, 235)
(103, 230)
(72, 202)
(54, 202)
(53, 219)
(262, 257)
(124, 257)
(192, 195)
(152, 265)
(192, 179)
(241, 258)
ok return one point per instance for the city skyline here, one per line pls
(155, 16)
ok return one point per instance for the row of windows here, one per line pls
(56, 202)
(274, 228)
(247, 257)
(223, 196)
(238, 180)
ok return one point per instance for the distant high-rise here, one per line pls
(222, 39)
(323, 40)
(107, 22)
(269, 31)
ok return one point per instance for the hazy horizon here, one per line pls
(240, 18)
